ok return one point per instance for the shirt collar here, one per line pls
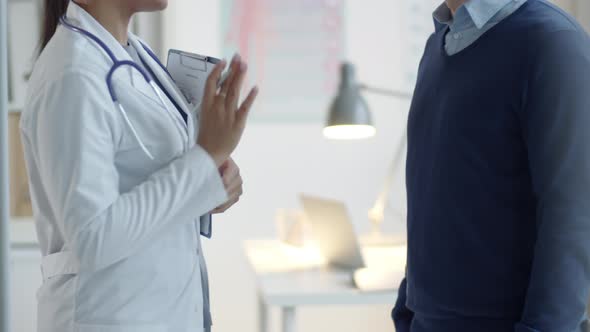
(478, 12)
(482, 11)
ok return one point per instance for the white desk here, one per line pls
(288, 277)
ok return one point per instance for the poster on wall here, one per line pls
(293, 49)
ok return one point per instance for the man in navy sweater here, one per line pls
(498, 173)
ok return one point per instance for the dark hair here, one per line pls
(52, 11)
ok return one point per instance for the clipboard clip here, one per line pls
(197, 61)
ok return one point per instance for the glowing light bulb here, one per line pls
(343, 132)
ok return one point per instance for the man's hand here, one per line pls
(232, 180)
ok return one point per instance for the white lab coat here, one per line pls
(119, 232)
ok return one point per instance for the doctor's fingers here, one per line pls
(223, 114)
(233, 95)
(234, 69)
(231, 202)
(244, 110)
(211, 85)
(234, 186)
(233, 198)
(229, 171)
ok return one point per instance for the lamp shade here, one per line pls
(349, 117)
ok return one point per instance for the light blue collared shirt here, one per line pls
(471, 21)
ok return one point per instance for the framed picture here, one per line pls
(20, 200)
(294, 50)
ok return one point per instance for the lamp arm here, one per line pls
(376, 214)
(386, 92)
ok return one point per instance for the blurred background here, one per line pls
(294, 48)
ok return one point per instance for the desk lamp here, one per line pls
(350, 118)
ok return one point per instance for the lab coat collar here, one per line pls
(164, 78)
(160, 73)
(82, 19)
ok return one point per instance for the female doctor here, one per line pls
(123, 175)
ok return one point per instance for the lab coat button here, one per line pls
(457, 36)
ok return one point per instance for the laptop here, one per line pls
(333, 232)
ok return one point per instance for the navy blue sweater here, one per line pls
(498, 180)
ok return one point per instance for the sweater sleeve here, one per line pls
(555, 119)
(402, 316)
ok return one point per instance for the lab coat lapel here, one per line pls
(80, 18)
(166, 81)
(134, 80)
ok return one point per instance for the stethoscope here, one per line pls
(120, 64)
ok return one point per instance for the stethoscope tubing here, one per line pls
(113, 94)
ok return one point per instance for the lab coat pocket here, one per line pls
(80, 327)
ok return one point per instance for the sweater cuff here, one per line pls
(520, 327)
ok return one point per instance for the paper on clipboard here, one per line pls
(190, 71)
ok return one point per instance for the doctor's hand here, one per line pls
(232, 180)
(223, 120)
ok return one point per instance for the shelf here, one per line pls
(14, 108)
(22, 232)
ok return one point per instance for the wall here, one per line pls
(25, 278)
(149, 27)
(583, 13)
(280, 160)
(579, 8)
(277, 163)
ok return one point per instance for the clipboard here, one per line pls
(190, 71)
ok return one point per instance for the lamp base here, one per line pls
(378, 239)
